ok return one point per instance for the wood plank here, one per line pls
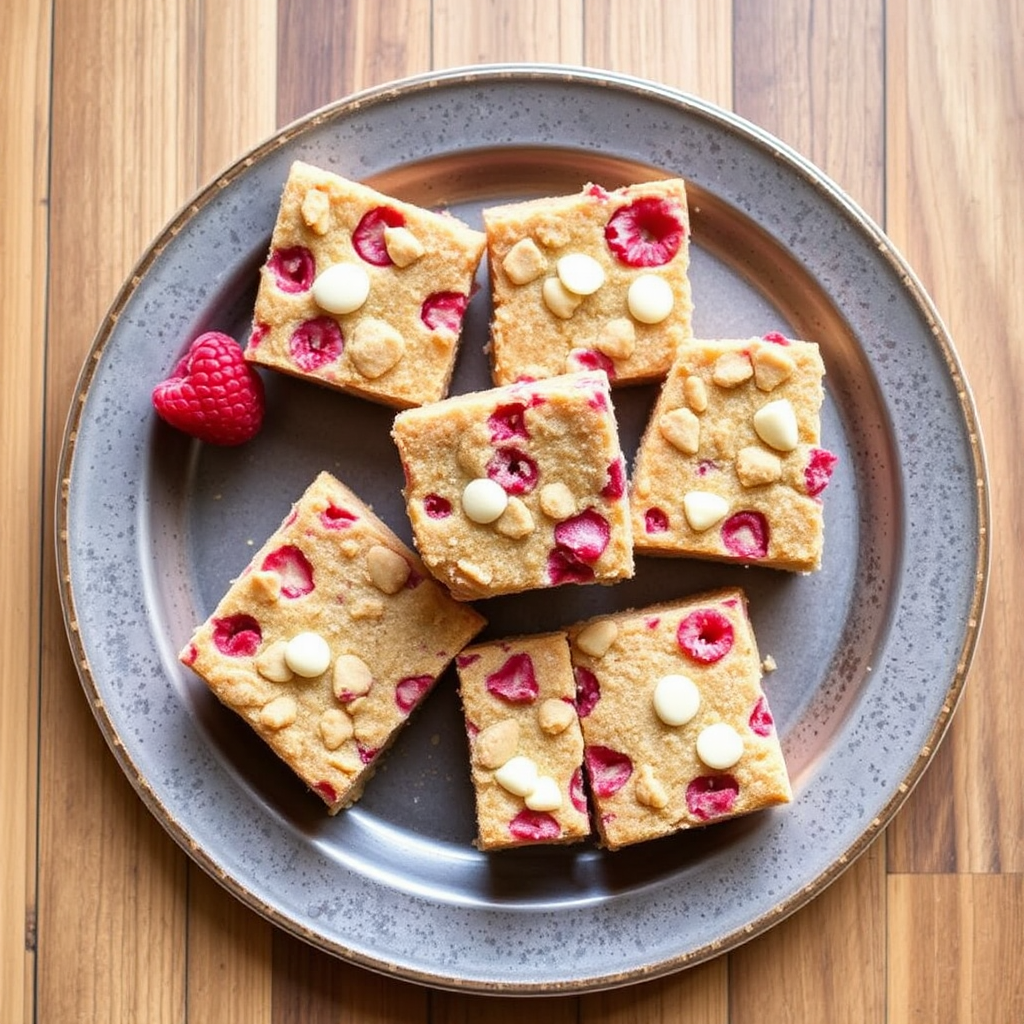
(461, 1008)
(699, 995)
(327, 49)
(955, 948)
(955, 149)
(24, 139)
(686, 45)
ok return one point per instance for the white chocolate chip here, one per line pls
(484, 500)
(352, 677)
(617, 339)
(775, 424)
(596, 638)
(524, 262)
(388, 570)
(316, 210)
(307, 655)
(271, 664)
(719, 746)
(731, 369)
(703, 509)
(403, 246)
(496, 744)
(649, 791)
(555, 716)
(772, 366)
(374, 347)
(581, 274)
(518, 775)
(676, 699)
(681, 429)
(279, 713)
(335, 728)
(696, 393)
(546, 795)
(650, 299)
(755, 466)
(341, 288)
(557, 501)
(516, 521)
(562, 302)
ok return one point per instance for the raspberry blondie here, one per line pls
(519, 487)
(598, 279)
(362, 292)
(526, 748)
(730, 466)
(329, 639)
(677, 729)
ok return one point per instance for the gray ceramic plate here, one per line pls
(872, 651)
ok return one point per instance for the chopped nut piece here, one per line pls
(755, 466)
(375, 347)
(695, 393)
(516, 521)
(496, 744)
(553, 233)
(271, 664)
(769, 664)
(388, 570)
(524, 262)
(403, 246)
(557, 501)
(316, 210)
(346, 762)
(562, 302)
(279, 713)
(649, 791)
(731, 369)
(617, 339)
(335, 728)
(265, 585)
(596, 638)
(352, 677)
(772, 366)
(681, 429)
(473, 572)
(365, 608)
(555, 716)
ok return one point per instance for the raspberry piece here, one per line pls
(335, 518)
(508, 422)
(514, 470)
(577, 794)
(437, 507)
(256, 335)
(706, 635)
(515, 681)
(316, 343)
(534, 826)
(597, 192)
(213, 394)
(709, 796)
(411, 690)
(327, 791)
(465, 660)
(191, 655)
(588, 359)
(237, 636)
(294, 569)
(609, 770)
(294, 269)
(564, 567)
(745, 535)
(775, 338)
(819, 470)
(616, 485)
(588, 691)
(761, 721)
(706, 466)
(367, 754)
(646, 233)
(368, 237)
(444, 311)
(655, 521)
(585, 536)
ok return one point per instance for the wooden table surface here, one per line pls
(112, 112)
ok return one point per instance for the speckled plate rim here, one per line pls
(793, 164)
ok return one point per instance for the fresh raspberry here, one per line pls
(514, 470)
(585, 536)
(761, 721)
(655, 521)
(444, 310)
(327, 791)
(819, 470)
(315, 343)
(437, 507)
(615, 488)
(710, 796)
(706, 635)
(237, 636)
(565, 567)
(294, 569)
(368, 237)
(745, 535)
(646, 233)
(534, 826)
(577, 794)
(609, 770)
(588, 691)
(335, 518)
(294, 269)
(213, 394)
(508, 422)
(515, 681)
(411, 690)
